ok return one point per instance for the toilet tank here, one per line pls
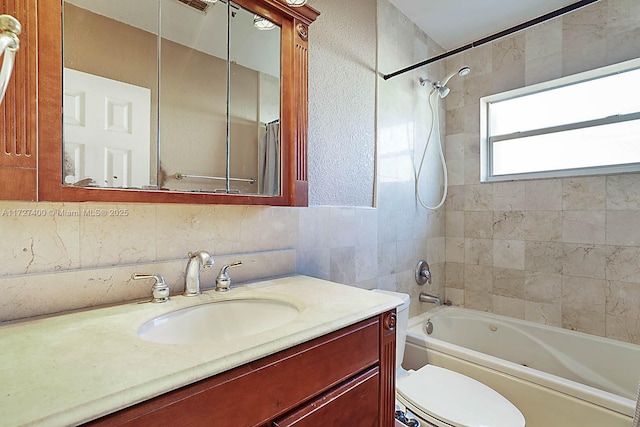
(402, 322)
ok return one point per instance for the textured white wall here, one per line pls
(342, 60)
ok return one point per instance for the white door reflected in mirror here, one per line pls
(107, 132)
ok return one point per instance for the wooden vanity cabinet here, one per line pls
(18, 131)
(343, 378)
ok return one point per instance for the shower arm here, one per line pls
(10, 28)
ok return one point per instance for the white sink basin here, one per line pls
(218, 321)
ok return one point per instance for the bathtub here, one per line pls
(556, 377)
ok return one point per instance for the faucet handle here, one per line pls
(223, 281)
(160, 289)
(423, 273)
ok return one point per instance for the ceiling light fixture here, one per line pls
(296, 3)
(262, 23)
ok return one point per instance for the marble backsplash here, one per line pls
(65, 256)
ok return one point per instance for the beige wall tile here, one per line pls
(478, 278)
(312, 223)
(387, 254)
(623, 299)
(456, 198)
(454, 224)
(478, 225)
(623, 264)
(343, 227)
(623, 192)
(456, 296)
(583, 227)
(582, 293)
(478, 252)
(543, 69)
(455, 250)
(623, 228)
(547, 314)
(623, 329)
(39, 237)
(179, 230)
(343, 265)
(544, 257)
(478, 300)
(509, 225)
(507, 306)
(366, 263)
(584, 260)
(366, 227)
(508, 282)
(543, 195)
(543, 288)
(584, 194)
(509, 254)
(387, 283)
(478, 198)
(623, 15)
(585, 321)
(622, 46)
(112, 240)
(584, 26)
(436, 248)
(315, 262)
(545, 226)
(454, 275)
(543, 40)
(508, 196)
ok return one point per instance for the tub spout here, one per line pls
(425, 297)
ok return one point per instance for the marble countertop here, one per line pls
(72, 368)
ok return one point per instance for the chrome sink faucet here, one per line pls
(192, 277)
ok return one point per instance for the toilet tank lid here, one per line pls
(406, 299)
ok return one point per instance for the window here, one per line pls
(584, 124)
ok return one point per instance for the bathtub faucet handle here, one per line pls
(423, 273)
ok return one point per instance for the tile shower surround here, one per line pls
(564, 252)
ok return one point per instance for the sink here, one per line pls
(218, 321)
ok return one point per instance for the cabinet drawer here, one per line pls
(354, 403)
(260, 391)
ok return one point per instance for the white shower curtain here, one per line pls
(269, 161)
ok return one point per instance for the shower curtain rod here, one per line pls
(508, 31)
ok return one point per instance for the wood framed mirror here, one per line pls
(54, 183)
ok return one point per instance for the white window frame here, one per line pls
(486, 142)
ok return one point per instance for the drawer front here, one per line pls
(354, 404)
(260, 391)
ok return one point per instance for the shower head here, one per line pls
(441, 87)
(443, 91)
(464, 71)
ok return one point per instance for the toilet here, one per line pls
(443, 398)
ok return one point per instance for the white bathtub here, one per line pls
(556, 377)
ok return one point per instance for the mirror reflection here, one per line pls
(179, 95)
